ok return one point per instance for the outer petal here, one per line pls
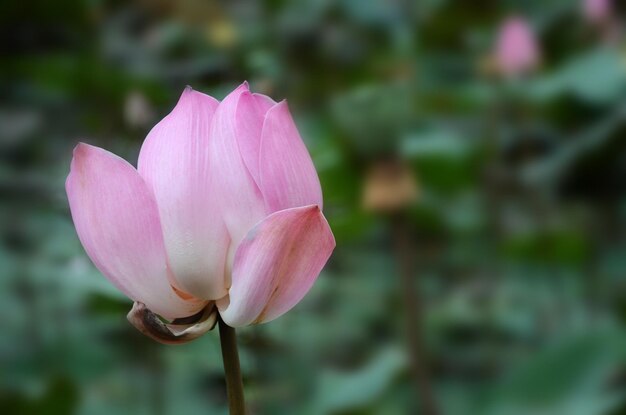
(276, 265)
(174, 162)
(118, 224)
(288, 176)
(241, 203)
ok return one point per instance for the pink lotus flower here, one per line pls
(516, 50)
(597, 11)
(224, 208)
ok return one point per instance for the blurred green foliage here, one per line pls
(519, 230)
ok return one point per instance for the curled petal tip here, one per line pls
(312, 209)
(244, 86)
(79, 154)
(190, 96)
(188, 90)
(232, 99)
(279, 109)
(280, 106)
(179, 331)
(80, 149)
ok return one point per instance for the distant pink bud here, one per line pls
(597, 11)
(516, 49)
(224, 208)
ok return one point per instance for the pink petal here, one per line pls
(235, 123)
(251, 113)
(276, 265)
(118, 224)
(263, 103)
(174, 162)
(288, 176)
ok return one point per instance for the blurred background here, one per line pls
(480, 216)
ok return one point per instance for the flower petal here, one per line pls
(118, 224)
(174, 162)
(235, 121)
(263, 103)
(250, 115)
(288, 176)
(276, 265)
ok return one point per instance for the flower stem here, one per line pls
(232, 371)
(413, 318)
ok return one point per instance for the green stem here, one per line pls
(232, 371)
